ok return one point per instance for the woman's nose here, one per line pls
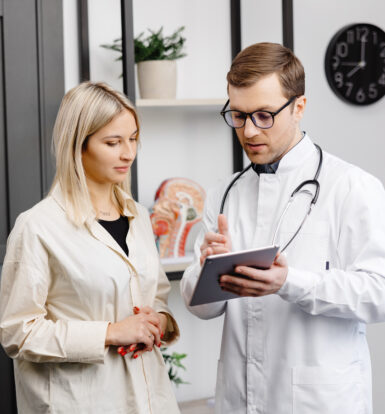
(128, 152)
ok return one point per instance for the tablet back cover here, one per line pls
(207, 289)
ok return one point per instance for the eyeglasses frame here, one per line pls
(249, 114)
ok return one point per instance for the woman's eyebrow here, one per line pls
(111, 136)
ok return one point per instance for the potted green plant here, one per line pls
(155, 55)
(173, 362)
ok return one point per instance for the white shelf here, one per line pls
(143, 103)
(177, 264)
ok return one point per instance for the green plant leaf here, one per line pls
(173, 363)
(155, 46)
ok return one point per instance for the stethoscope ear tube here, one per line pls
(230, 185)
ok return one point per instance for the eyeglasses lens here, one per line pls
(263, 119)
(237, 119)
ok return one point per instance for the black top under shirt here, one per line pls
(118, 230)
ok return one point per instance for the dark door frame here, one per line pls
(31, 89)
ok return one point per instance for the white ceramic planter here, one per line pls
(157, 79)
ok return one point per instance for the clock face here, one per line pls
(355, 63)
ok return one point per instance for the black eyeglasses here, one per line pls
(261, 119)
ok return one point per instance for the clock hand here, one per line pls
(349, 63)
(354, 70)
(362, 50)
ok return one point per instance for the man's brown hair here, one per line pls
(262, 59)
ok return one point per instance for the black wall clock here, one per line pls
(355, 63)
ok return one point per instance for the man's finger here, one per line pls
(223, 227)
(280, 259)
(213, 238)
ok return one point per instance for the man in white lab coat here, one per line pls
(295, 342)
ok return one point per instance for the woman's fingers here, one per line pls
(148, 329)
(152, 316)
(156, 336)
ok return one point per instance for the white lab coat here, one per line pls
(302, 350)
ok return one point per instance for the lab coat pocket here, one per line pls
(309, 248)
(327, 390)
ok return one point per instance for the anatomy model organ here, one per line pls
(178, 207)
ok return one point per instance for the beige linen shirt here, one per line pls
(60, 287)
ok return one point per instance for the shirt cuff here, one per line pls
(85, 341)
(298, 283)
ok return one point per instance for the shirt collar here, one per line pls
(128, 203)
(290, 160)
(265, 168)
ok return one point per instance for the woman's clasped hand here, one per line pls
(138, 333)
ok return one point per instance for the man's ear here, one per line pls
(299, 107)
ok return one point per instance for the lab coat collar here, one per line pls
(96, 229)
(297, 155)
(129, 206)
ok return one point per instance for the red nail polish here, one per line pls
(131, 348)
(135, 356)
(161, 335)
(159, 345)
(122, 351)
(136, 309)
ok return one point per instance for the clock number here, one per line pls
(350, 36)
(362, 34)
(381, 80)
(372, 91)
(336, 62)
(342, 49)
(349, 89)
(339, 79)
(360, 96)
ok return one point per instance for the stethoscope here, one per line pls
(314, 182)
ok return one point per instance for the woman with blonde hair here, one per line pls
(83, 300)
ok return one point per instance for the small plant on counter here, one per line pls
(154, 46)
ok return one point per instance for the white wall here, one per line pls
(71, 49)
(353, 133)
(349, 131)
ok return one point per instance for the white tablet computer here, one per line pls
(207, 289)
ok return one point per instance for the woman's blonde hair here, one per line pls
(84, 110)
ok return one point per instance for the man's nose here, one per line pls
(250, 129)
